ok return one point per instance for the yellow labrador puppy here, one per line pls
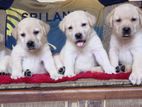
(32, 54)
(83, 49)
(126, 39)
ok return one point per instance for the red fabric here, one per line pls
(45, 78)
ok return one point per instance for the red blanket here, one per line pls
(44, 78)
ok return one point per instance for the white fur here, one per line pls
(4, 56)
(80, 59)
(127, 50)
(38, 60)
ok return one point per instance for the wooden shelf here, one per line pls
(84, 89)
(62, 94)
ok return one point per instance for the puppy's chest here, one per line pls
(125, 55)
(33, 63)
(84, 61)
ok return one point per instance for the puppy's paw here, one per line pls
(135, 78)
(27, 73)
(16, 75)
(69, 74)
(3, 73)
(61, 70)
(56, 76)
(110, 70)
(120, 68)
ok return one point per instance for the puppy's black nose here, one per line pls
(30, 44)
(126, 30)
(78, 36)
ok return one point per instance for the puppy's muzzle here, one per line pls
(31, 45)
(79, 40)
(126, 31)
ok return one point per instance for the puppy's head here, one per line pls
(78, 26)
(31, 33)
(125, 20)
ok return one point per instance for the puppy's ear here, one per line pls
(46, 27)
(62, 24)
(15, 32)
(140, 15)
(109, 18)
(91, 18)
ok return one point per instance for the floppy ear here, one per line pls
(91, 18)
(109, 18)
(62, 24)
(15, 32)
(46, 27)
(140, 15)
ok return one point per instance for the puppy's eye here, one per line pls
(83, 24)
(133, 19)
(36, 32)
(23, 34)
(70, 27)
(118, 20)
